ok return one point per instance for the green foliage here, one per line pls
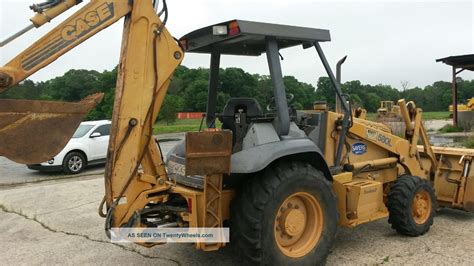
(450, 128)
(172, 104)
(188, 91)
(73, 86)
(26, 90)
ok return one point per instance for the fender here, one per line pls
(258, 158)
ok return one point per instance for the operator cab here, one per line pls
(258, 138)
(248, 38)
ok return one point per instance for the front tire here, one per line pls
(411, 205)
(74, 163)
(287, 216)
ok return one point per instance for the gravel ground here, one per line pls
(50, 221)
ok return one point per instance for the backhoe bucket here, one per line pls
(35, 131)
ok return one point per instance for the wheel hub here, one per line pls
(298, 224)
(293, 222)
(75, 163)
(421, 207)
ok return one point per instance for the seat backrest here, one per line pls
(250, 106)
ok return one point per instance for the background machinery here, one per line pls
(465, 114)
(282, 180)
(388, 112)
(469, 106)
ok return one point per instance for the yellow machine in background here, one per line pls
(465, 114)
(388, 112)
(283, 179)
(469, 106)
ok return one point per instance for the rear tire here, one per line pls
(74, 163)
(411, 204)
(287, 216)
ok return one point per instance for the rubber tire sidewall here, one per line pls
(404, 223)
(323, 194)
(425, 227)
(66, 160)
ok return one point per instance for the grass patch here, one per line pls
(181, 125)
(469, 143)
(450, 128)
(425, 116)
(435, 115)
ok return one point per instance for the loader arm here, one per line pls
(399, 147)
(149, 56)
(405, 149)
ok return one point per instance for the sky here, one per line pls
(387, 42)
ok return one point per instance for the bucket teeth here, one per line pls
(35, 131)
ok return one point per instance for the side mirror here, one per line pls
(95, 135)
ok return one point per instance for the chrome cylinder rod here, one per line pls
(16, 35)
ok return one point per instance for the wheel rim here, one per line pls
(421, 207)
(298, 224)
(75, 163)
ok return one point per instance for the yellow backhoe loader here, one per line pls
(283, 180)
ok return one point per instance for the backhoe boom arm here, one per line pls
(89, 20)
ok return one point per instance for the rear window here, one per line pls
(81, 131)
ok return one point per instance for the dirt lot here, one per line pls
(53, 221)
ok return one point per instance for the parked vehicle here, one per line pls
(88, 146)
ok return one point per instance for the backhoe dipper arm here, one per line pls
(148, 59)
(89, 20)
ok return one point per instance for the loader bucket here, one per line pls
(35, 131)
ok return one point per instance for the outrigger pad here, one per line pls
(35, 131)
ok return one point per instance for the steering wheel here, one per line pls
(271, 105)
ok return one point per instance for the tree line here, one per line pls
(188, 91)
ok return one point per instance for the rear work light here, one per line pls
(233, 28)
(219, 30)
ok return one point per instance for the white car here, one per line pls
(88, 146)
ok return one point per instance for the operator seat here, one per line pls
(237, 116)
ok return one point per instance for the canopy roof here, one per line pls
(250, 38)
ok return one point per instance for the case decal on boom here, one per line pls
(71, 33)
(90, 21)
